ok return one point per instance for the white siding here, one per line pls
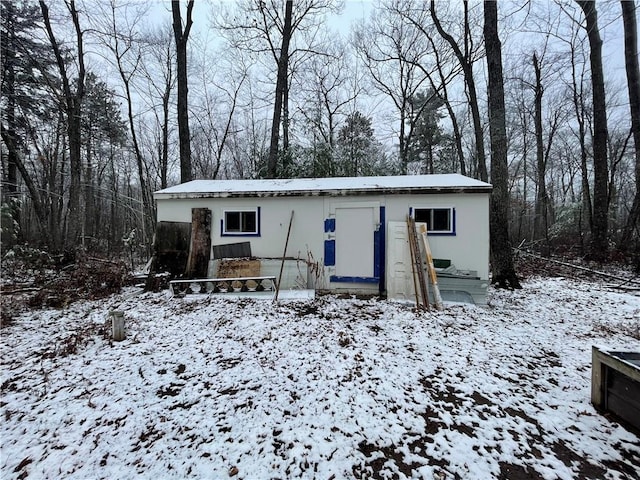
(468, 249)
(307, 227)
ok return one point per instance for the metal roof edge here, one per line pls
(404, 190)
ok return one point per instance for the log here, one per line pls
(16, 291)
(578, 267)
(200, 245)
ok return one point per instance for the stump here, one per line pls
(117, 325)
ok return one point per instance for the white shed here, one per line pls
(352, 230)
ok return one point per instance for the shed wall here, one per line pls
(306, 229)
(468, 249)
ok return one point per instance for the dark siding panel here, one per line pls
(232, 250)
(623, 397)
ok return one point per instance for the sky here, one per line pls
(353, 10)
(517, 48)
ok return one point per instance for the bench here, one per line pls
(222, 285)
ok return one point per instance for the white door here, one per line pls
(399, 270)
(355, 241)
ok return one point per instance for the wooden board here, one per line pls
(232, 268)
(417, 263)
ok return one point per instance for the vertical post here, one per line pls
(597, 379)
(117, 325)
(284, 256)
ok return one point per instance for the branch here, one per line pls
(578, 267)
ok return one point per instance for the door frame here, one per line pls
(378, 243)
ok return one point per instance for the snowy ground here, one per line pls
(329, 388)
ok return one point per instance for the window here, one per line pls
(438, 220)
(242, 222)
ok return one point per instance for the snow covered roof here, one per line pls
(339, 186)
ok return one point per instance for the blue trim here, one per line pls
(382, 258)
(329, 253)
(376, 253)
(243, 234)
(335, 278)
(453, 226)
(329, 225)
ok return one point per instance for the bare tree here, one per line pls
(281, 88)
(633, 83)
(181, 37)
(543, 151)
(247, 144)
(272, 27)
(120, 39)
(443, 93)
(394, 53)
(599, 247)
(330, 84)
(467, 59)
(158, 69)
(573, 85)
(72, 99)
(503, 270)
(217, 109)
(415, 13)
(582, 118)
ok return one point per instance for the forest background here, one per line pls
(105, 102)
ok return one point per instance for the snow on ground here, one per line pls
(214, 387)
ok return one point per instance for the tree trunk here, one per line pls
(164, 152)
(502, 267)
(633, 83)
(89, 203)
(541, 207)
(10, 187)
(56, 187)
(181, 38)
(456, 134)
(578, 104)
(599, 233)
(404, 145)
(281, 86)
(10, 184)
